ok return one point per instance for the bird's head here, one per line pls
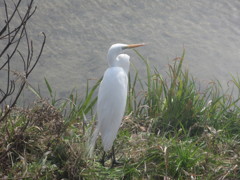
(117, 49)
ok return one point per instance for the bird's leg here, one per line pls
(102, 161)
(114, 161)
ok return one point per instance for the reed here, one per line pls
(172, 129)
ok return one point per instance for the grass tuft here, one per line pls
(172, 130)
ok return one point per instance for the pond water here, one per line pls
(79, 33)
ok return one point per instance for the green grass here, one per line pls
(172, 130)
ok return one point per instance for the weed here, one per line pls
(172, 130)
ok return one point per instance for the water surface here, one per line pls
(79, 33)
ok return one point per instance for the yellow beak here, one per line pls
(134, 45)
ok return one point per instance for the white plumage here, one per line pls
(111, 106)
(112, 96)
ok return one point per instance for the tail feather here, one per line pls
(93, 141)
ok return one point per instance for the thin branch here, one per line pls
(16, 7)
(14, 39)
(39, 55)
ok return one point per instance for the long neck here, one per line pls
(111, 58)
(113, 52)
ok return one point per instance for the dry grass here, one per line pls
(27, 135)
(200, 142)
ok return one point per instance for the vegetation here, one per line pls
(172, 130)
(16, 51)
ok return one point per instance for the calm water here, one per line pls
(79, 33)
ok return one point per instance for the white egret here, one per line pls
(112, 97)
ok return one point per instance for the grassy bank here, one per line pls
(172, 130)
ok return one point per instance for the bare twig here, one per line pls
(14, 38)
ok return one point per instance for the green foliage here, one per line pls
(176, 101)
(172, 130)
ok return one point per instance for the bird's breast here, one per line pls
(115, 76)
(113, 88)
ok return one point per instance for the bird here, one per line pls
(112, 98)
